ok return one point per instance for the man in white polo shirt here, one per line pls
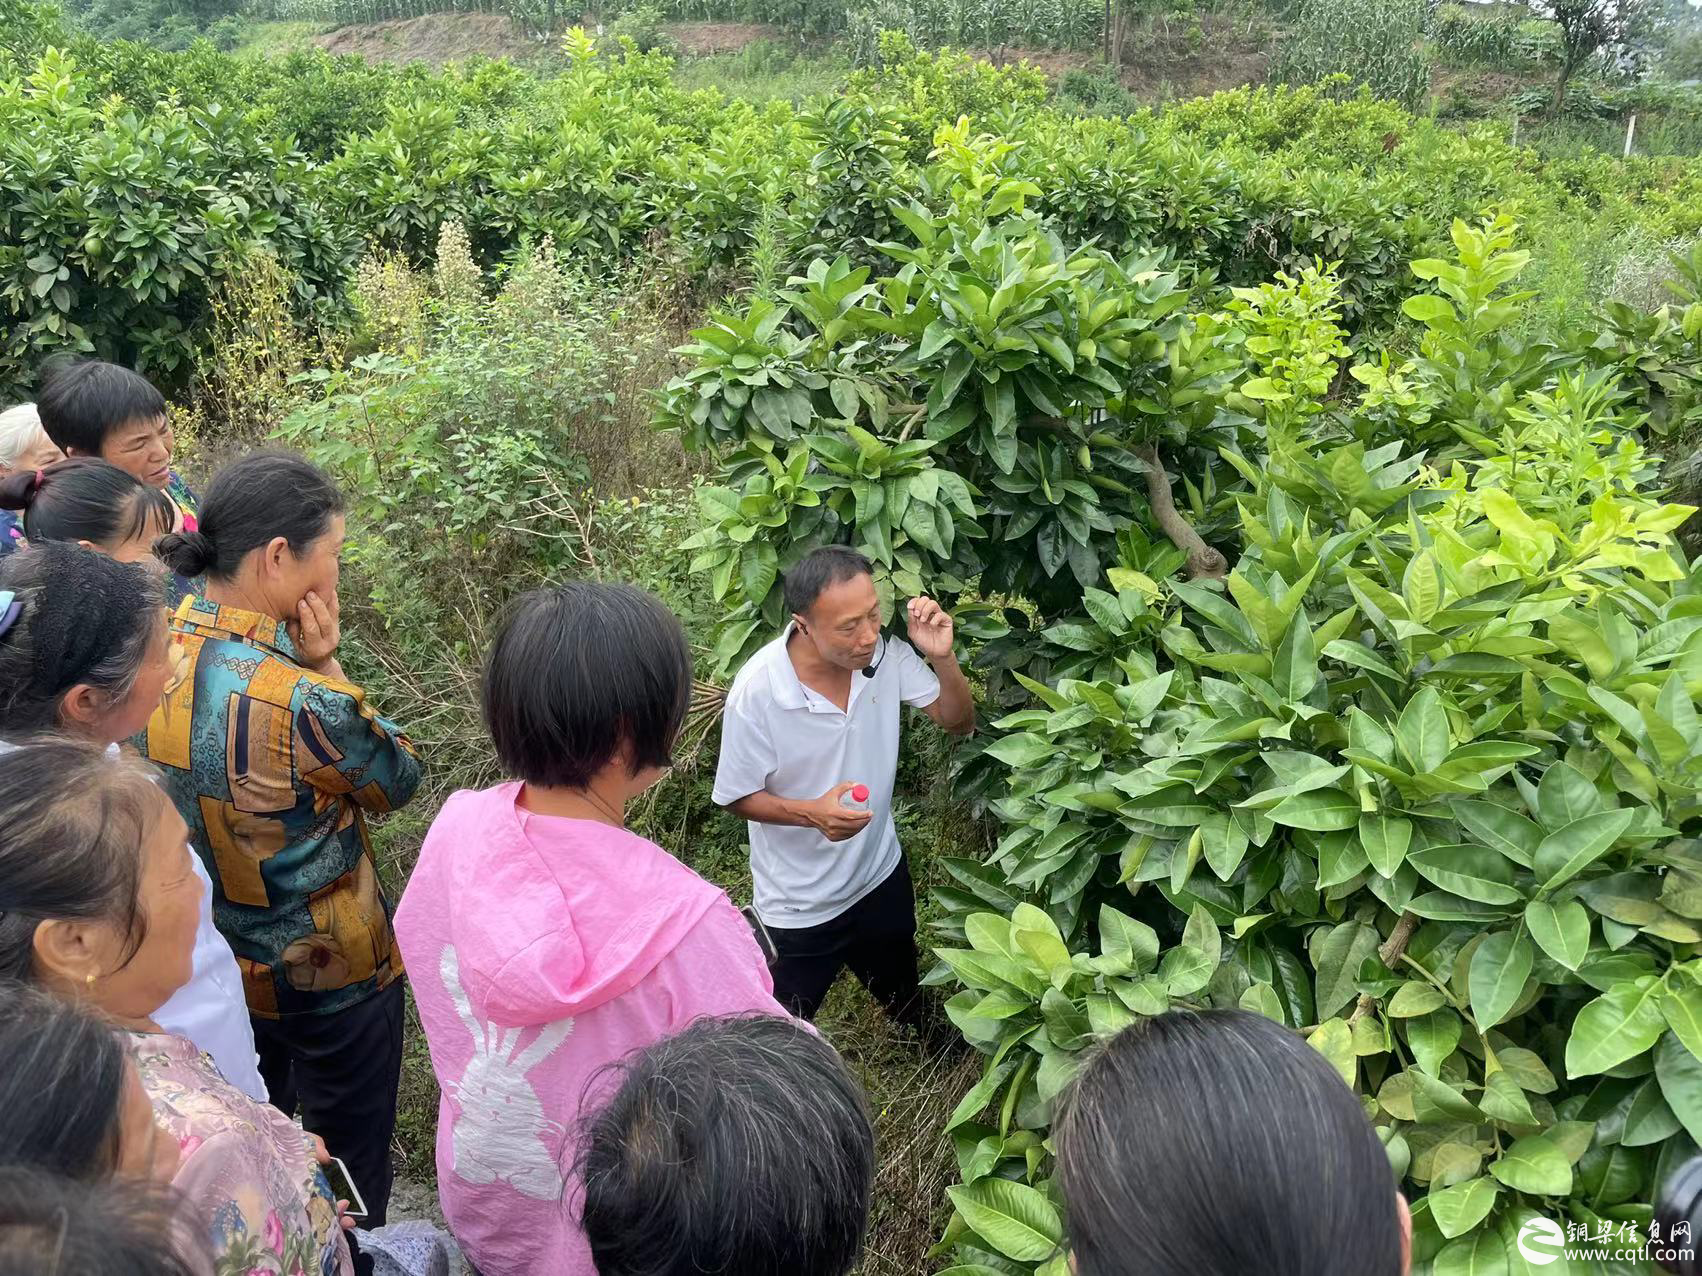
(812, 717)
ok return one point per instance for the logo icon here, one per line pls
(1540, 1241)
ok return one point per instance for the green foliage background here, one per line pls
(131, 179)
(1335, 656)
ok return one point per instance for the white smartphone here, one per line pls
(343, 1187)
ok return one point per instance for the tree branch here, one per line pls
(1203, 560)
(1390, 953)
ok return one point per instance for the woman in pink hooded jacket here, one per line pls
(544, 940)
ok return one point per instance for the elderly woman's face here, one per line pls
(40, 454)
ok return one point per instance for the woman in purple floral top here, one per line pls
(95, 861)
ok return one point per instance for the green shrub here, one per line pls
(1095, 90)
(642, 24)
(114, 226)
(1418, 778)
(612, 159)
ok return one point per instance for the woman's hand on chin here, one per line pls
(315, 631)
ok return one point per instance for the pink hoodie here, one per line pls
(541, 949)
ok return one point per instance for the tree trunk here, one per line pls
(1203, 560)
(1389, 953)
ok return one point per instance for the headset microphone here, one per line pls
(869, 669)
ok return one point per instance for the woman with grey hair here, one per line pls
(24, 447)
(741, 1144)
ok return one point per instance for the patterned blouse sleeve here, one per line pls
(253, 1224)
(345, 749)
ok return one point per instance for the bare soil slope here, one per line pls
(435, 38)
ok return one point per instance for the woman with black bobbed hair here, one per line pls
(92, 502)
(1219, 1143)
(274, 760)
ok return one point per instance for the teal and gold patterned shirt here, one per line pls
(273, 767)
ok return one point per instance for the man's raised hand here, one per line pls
(931, 628)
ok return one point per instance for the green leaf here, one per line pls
(1499, 969)
(981, 1093)
(1184, 971)
(1679, 1073)
(1457, 1210)
(1414, 998)
(1432, 1038)
(1021, 750)
(1682, 1010)
(1649, 1119)
(1621, 1023)
(1015, 1219)
(1295, 669)
(1437, 1103)
(1262, 999)
(1334, 1040)
(1422, 731)
(1339, 957)
(1501, 829)
(1534, 1165)
(1429, 309)
(1471, 872)
(1565, 795)
(1561, 930)
(1483, 1253)
(1503, 1100)
(1454, 1162)
(1385, 839)
(1121, 935)
(1320, 811)
(1528, 1069)
(1575, 847)
(1037, 935)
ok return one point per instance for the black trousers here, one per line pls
(875, 937)
(343, 1071)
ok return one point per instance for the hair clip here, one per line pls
(11, 607)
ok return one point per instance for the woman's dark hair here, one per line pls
(52, 1226)
(738, 1145)
(819, 569)
(251, 501)
(83, 401)
(62, 1085)
(578, 669)
(73, 821)
(82, 619)
(86, 499)
(1220, 1143)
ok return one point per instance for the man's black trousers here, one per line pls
(875, 937)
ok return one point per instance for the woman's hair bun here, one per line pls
(19, 489)
(187, 553)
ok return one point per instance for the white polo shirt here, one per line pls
(779, 735)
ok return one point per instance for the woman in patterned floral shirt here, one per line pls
(98, 904)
